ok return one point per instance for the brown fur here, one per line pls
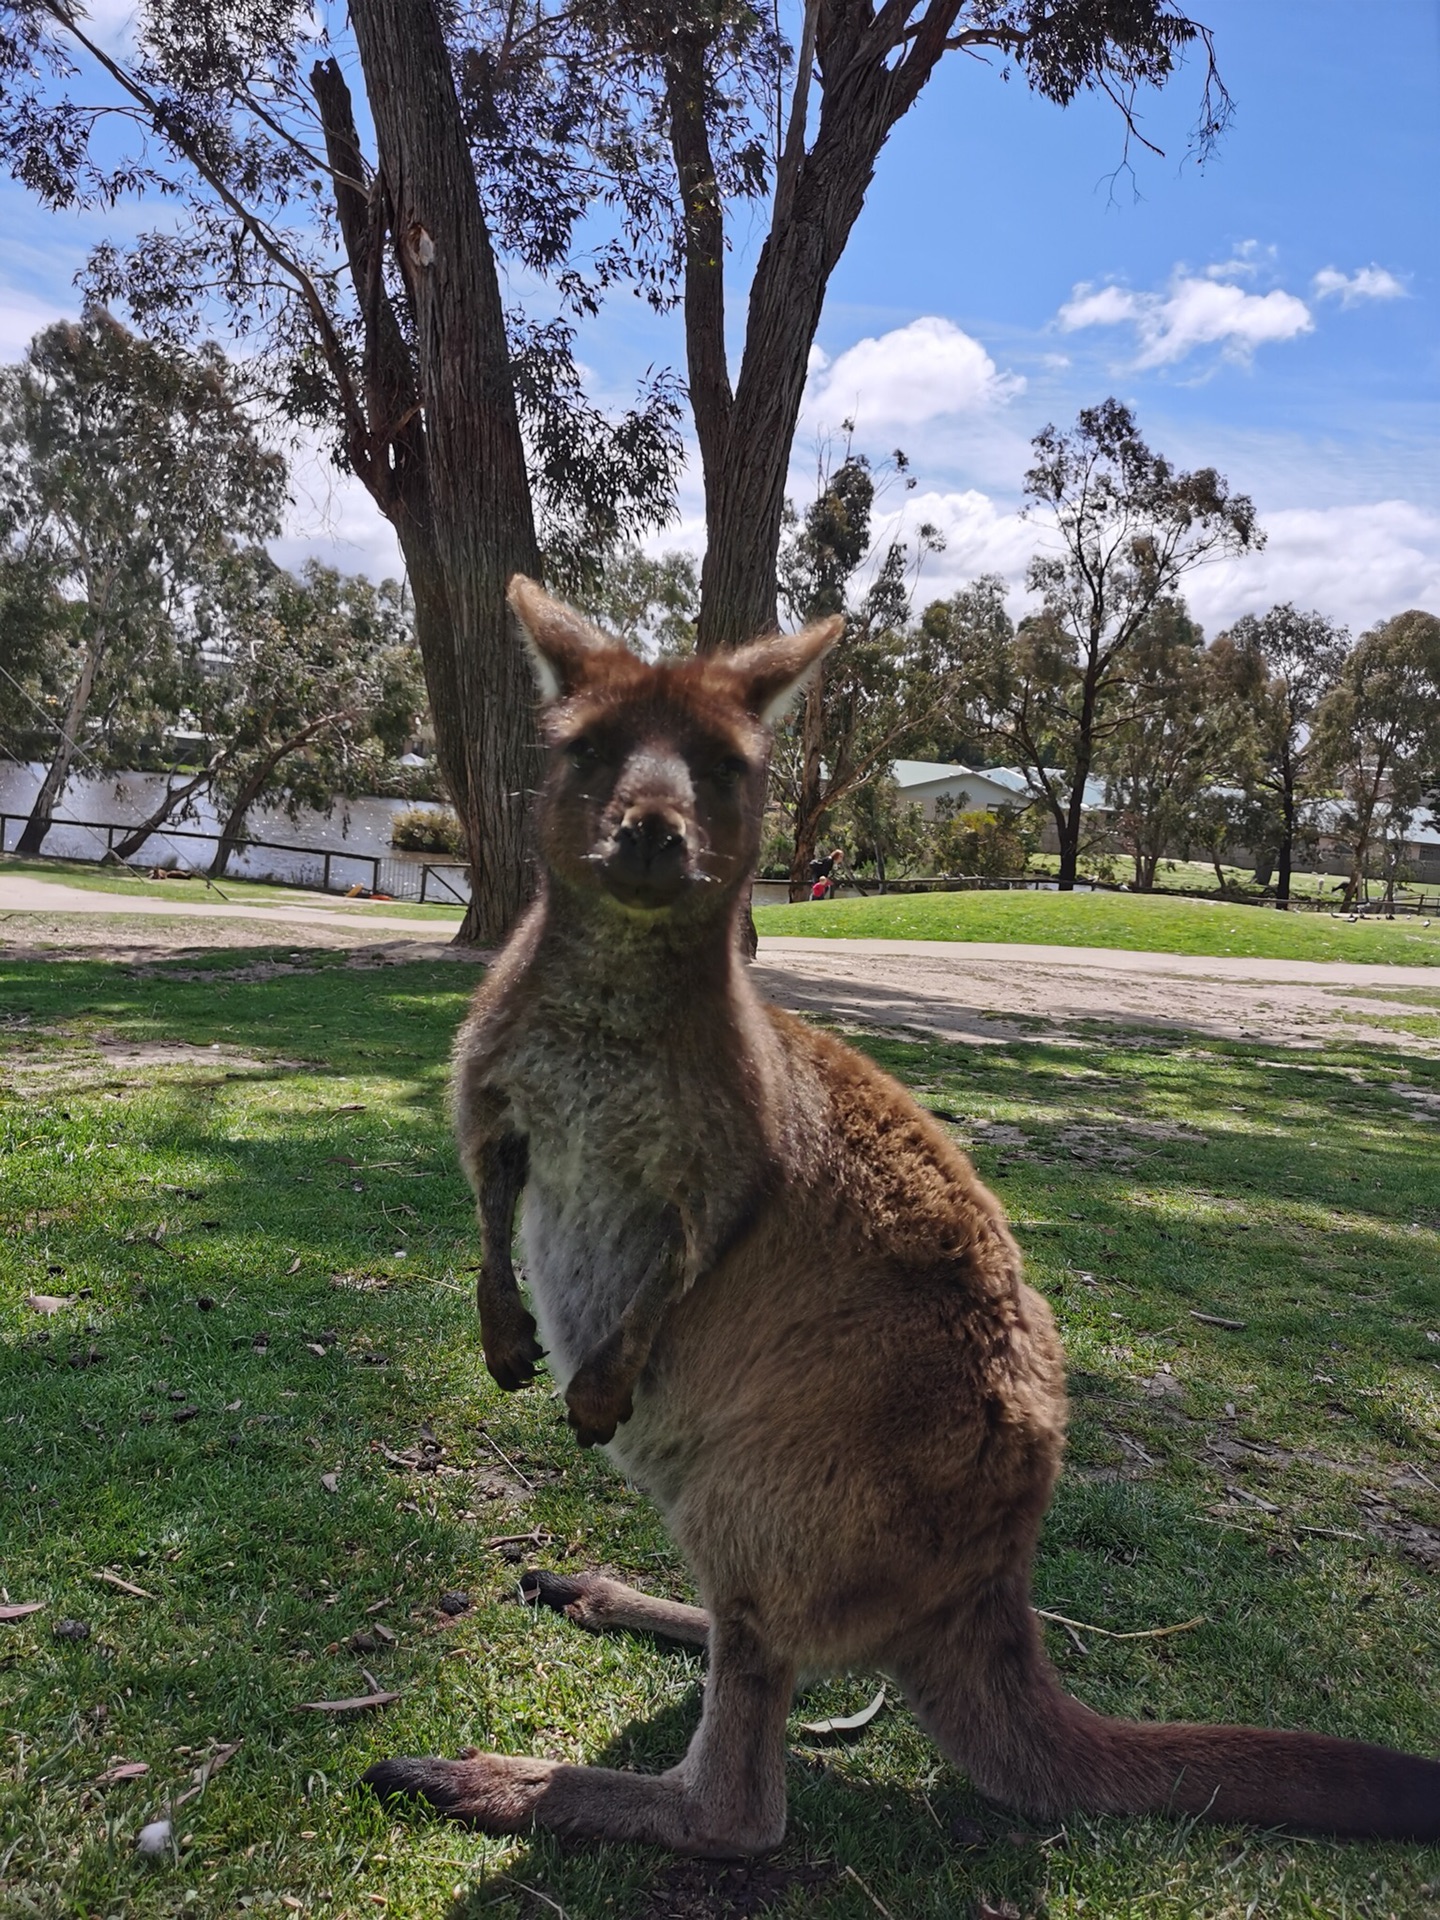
(776, 1289)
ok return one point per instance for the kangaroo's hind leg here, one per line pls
(725, 1799)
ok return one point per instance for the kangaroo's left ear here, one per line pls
(560, 640)
(772, 672)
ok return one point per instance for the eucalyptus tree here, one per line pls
(1377, 739)
(1122, 529)
(124, 469)
(743, 116)
(1279, 666)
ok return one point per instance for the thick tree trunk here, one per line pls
(174, 797)
(57, 774)
(233, 830)
(811, 802)
(478, 517)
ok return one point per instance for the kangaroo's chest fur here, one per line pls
(631, 1105)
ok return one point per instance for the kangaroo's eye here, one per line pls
(582, 752)
(727, 771)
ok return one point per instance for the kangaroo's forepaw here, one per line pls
(512, 1353)
(489, 1791)
(596, 1403)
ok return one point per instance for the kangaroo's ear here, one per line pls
(772, 672)
(560, 641)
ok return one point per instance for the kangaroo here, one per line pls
(772, 1286)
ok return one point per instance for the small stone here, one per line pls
(70, 1630)
(455, 1602)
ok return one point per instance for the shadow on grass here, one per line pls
(162, 1440)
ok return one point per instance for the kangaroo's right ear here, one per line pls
(772, 672)
(559, 639)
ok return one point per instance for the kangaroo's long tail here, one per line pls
(981, 1685)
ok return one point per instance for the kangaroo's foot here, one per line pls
(726, 1798)
(591, 1600)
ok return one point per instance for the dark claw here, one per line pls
(516, 1368)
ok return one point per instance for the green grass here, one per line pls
(283, 1177)
(1148, 923)
(134, 885)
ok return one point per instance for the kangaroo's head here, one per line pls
(655, 790)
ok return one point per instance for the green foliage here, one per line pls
(1377, 739)
(427, 830)
(990, 845)
(1127, 527)
(652, 604)
(126, 469)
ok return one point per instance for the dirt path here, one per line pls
(961, 990)
(976, 991)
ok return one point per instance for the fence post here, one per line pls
(325, 875)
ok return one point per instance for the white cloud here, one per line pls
(1367, 283)
(1358, 564)
(1248, 258)
(905, 378)
(1194, 312)
(22, 315)
(333, 519)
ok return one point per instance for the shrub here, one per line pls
(427, 830)
(986, 844)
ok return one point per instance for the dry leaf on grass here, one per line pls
(22, 1612)
(294, 1266)
(847, 1722)
(122, 1770)
(123, 1586)
(330, 1482)
(351, 1106)
(358, 1704)
(202, 1774)
(47, 1302)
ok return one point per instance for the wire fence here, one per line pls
(339, 870)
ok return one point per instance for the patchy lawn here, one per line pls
(1150, 923)
(252, 1388)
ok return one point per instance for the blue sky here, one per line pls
(1276, 313)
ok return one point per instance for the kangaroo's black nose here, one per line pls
(649, 851)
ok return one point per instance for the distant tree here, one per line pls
(304, 672)
(1124, 529)
(1377, 739)
(653, 601)
(972, 625)
(884, 831)
(874, 690)
(1162, 754)
(124, 470)
(1278, 667)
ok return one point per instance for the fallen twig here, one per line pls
(1216, 1320)
(874, 1898)
(1109, 1633)
(124, 1586)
